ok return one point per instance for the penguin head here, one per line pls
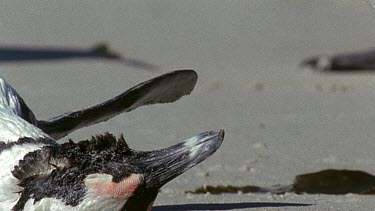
(104, 173)
(319, 63)
(103, 49)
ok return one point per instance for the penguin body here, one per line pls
(103, 173)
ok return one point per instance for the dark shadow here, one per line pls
(328, 181)
(227, 206)
(22, 54)
(12, 54)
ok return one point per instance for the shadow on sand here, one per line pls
(227, 206)
(11, 54)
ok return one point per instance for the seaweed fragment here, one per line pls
(226, 189)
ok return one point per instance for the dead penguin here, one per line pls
(352, 61)
(99, 174)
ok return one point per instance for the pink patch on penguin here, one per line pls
(123, 189)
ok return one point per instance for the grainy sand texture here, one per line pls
(280, 120)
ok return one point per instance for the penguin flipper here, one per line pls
(166, 88)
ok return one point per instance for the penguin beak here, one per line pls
(309, 62)
(161, 166)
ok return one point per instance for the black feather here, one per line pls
(58, 171)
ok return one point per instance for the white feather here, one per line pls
(13, 127)
(8, 184)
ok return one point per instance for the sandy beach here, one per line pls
(280, 120)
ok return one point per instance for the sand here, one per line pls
(280, 120)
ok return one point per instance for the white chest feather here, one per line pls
(8, 184)
(12, 126)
